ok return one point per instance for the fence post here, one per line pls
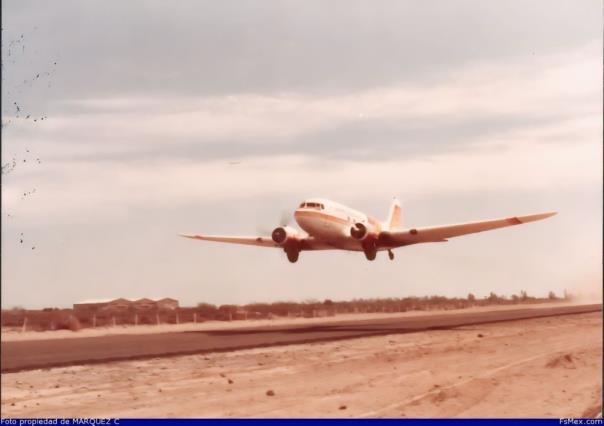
(24, 327)
(157, 318)
(113, 319)
(177, 319)
(195, 317)
(136, 319)
(93, 320)
(230, 316)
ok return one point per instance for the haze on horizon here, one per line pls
(211, 117)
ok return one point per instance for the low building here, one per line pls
(122, 304)
(92, 304)
(166, 303)
(144, 304)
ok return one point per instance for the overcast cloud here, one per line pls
(214, 117)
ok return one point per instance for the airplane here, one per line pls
(332, 226)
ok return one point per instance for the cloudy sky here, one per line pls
(154, 118)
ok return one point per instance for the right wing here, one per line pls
(250, 241)
(441, 233)
(307, 243)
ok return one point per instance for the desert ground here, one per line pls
(547, 367)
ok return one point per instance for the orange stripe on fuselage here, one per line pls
(317, 214)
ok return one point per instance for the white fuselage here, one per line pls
(329, 221)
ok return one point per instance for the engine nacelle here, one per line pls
(283, 234)
(358, 231)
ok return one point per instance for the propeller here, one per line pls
(285, 220)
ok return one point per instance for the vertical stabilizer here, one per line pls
(394, 217)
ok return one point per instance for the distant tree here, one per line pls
(207, 310)
(328, 302)
(227, 308)
(471, 298)
(523, 295)
(493, 298)
(551, 295)
(226, 312)
(282, 308)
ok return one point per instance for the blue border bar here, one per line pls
(294, 422)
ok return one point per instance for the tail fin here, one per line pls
(394, 217)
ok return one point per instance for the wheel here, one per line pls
(292, 255)
(390, 255)
(370, 249)
(370, 254)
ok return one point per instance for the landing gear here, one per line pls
(292, 256)
(370, 254)
(370, 250)
(390, 255)
(293, 252)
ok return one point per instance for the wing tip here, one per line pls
(194, 237)
(534, 217)
(547, 214)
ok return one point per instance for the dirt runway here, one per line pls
(543, 367)
(31, 354)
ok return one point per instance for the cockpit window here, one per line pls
(317, 206)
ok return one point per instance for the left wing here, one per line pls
(442, 233)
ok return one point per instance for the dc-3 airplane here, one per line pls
(333, 226)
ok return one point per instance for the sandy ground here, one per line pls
(9, 334)
(548, 367)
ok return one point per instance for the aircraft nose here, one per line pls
(301, 220)
(299, 216)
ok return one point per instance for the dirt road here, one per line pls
(546, 367)
(34, 354)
